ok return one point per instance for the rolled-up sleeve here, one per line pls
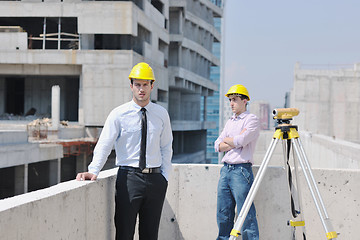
(217, 144)
(220, 138)
(250, 134)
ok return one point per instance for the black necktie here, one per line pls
(142, 161)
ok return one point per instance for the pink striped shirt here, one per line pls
(245, 142)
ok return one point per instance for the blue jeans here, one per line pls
(234, 184)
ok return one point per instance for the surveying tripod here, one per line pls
(288, 134)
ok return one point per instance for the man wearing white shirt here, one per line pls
(143, 157)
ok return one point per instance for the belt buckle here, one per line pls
(146, 170)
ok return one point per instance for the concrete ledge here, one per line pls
(75, 131)
(322, 151)
(13, 137)
(19, 154)
(330, 152)
(51, 151)
(84, 210)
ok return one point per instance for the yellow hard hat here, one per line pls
(238, 89)
(142, 71)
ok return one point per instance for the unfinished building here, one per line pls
(87, 49)
(328, 98)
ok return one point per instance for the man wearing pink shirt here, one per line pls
(237, 140)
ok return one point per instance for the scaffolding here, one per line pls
(77, 147)
(74, 39)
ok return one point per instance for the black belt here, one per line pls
(238, 164)
(146, 170)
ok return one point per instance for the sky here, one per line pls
(264, 39)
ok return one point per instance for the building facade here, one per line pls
(191, 58)
(213, 102)
(88, 48)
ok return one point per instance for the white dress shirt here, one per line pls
(122, 129)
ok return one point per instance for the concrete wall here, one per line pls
(327, 152)
(321, 151)
(84, 210)
(13, 40)
(328, 100)
(340, 192)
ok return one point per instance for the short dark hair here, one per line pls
(241, 96)
(132, 81)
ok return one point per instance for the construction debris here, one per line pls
(39, 128)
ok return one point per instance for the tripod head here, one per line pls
(284, 115)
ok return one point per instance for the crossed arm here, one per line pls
(228, 143)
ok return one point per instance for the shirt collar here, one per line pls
(138, 108)
(240, 116)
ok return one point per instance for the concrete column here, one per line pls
(181, 23)
(222, 81)
(19, 180)
(205, 108)
(79, 43)
(59, 33)
(81, 119)
(2, 95)
(174, 106)
(26, 178)
(55, 106)
(54, 169)
(58, 170)
(86, 41)
(44, 33)
(81, 163)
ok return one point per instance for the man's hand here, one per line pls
(86, 176)
(224, 147)
(229, 141)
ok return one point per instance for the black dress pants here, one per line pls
(138, 193)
